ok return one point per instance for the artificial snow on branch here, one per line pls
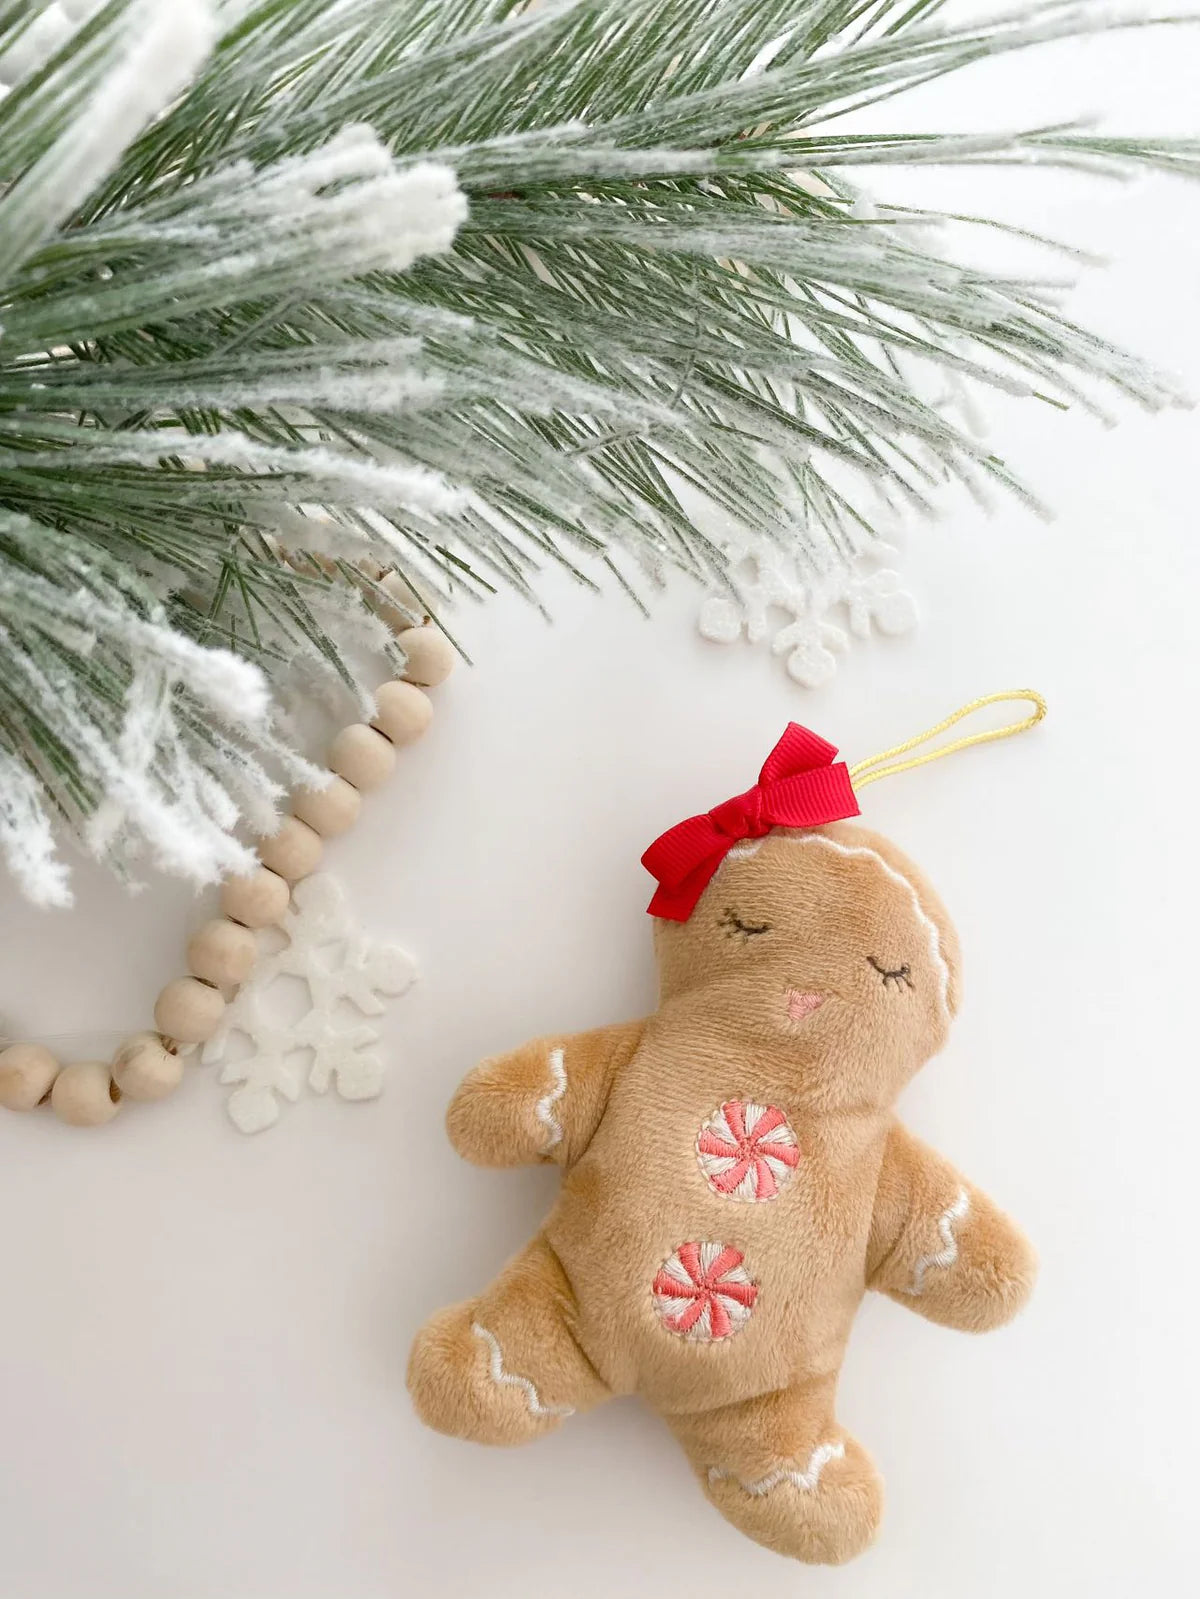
(296, 293)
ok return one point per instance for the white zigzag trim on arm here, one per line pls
(544, 1109)
(806, 1480)
(948, 1254)
(511, 1380)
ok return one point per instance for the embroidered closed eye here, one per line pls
(735, 927)
(899, 975)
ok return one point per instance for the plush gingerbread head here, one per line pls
(735, 1177)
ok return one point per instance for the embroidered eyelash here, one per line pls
(734, 925)
(900, 975)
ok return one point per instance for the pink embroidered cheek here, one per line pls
(747, 1151)
(703, 1292)
(800, 1006)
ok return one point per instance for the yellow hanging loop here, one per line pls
(875, 767)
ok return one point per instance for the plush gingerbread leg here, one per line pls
(505, 1368)
(783, 1472)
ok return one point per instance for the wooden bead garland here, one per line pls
(188, 1010)
(430, 655)
(144, 1068)
(221, 954)
(294, 851)
(328, 811)
(364, 756)
(395, 615)
(402, 712)
(84, 1094)
(256, 899)
(27, 1073)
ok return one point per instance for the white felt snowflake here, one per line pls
(812, 618)
(343, 975)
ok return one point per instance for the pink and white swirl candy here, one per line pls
(703, 1292)
(747, 1151)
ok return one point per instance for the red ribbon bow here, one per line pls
(799, 786)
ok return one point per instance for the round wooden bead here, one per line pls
(363, 756)
(84, 1094)
(26, 1073)
(430, 655)
(188, 1010)
(328, 811)
(222, 952)
(256, 899)
(144, 1069)
(402, 712)
(399, 615)
(293, 852)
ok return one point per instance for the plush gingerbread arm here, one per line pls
(941, 1246)
(541, 1102)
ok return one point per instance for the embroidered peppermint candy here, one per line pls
(703, 1292)
(747, 1151)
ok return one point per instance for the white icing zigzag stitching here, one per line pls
(948, 1254)
(927, 921)
(511, 1380)
(744, 851)
(806, 1480)
(544, 1107)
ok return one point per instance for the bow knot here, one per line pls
(800, 785)
(740, 817)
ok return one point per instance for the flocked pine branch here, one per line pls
(299, 292)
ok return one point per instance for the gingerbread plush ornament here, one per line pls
(735, 1176)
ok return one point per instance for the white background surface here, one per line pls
(204, 1336)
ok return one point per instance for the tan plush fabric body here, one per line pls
(625, 1207)
(816, 975)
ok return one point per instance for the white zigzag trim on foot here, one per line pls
(806, 1480)
(511, 1380)
(544, 1109)
(948, 1254)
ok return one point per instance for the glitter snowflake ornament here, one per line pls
(344, 976)
(811, 619)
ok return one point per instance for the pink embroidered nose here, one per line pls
(801, 1005)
